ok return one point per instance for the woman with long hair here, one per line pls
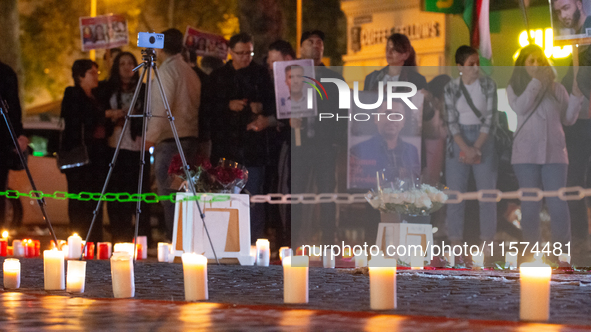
(539, 156)
(116, 96)
(470, 105)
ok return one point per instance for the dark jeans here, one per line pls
(254, 185)
(125, 180)
(578, 145)
(313, 170)
(85, 179)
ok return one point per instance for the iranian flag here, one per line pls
(476, 14)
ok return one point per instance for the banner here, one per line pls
(292, 91)
(103, 32)
(206, 44)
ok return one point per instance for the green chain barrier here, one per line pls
(149, 198)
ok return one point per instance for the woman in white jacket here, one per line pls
(539, 154)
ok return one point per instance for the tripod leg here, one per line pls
(40, 200)
(183, 159)
(115, 155)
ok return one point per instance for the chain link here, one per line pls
(454, 197)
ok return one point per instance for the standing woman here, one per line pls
(116, 96)
(84, 124)
(401, 59)
(470, 104)
(539, 157)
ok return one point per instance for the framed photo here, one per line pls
(295, 89)
(571, 21)
(205, 43)
(388, 145)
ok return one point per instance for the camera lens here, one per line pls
(152, 40)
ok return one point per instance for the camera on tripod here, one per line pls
(150, 40)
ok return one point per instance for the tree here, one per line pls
(10, 50)
(263, 19)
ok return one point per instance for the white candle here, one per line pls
(478, 262)
(122, 275)
(163, 251)
(285, 252)
(125, 247)
(263, 252)
(253, 254)
(382, 283)
(74, 247)
(417, 262)
(564, 258)
(511, 260)
(12, 273)
(76, 278)
(534, 281)
(295, 279)
(17, 248)
(361, 259)
(53, 270)
(195, 275)
(66, 251)
(143, 240)
(328, 260)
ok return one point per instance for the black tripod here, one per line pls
(148, 63)
(38, 197)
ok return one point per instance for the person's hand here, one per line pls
(261, 123)
(23, 142)
(295, 123)
(576, 91)
(114, 114)
(237, 105)
(472, 154)
(256, 107)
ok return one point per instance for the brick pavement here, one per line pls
(457, 294)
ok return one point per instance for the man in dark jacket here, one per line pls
(314, 161)
(242, 95)
(9, 92)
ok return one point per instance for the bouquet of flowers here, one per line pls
(226, 177)
(407, 197)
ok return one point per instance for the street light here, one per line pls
(92, 14)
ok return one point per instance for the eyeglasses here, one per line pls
(249, 53)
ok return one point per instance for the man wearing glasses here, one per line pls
(242, 102)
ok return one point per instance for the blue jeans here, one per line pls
(485, 175)
(546, 177)
(163, 154)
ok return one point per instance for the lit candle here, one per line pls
(382, 283)
(76, 278)
(511, 260)
(5, 235)
(17, 248)
(143, 241)
(29, 248)
(295, 279)
(74, 246)
(139, 251)
(417, 262)
(263, 252)
(122, 275)
(253, 254)
(53, 270)
(103, 250)
(10, 251)
(284, 252)
(12, 273)
(450, 258)
(65, 250)
(534, 281)
(195, 276)
(361, 259)
(37, 245)
(125, 247)
(3, 247)
(477, 262)
(163, 252)
(316, 254)
(89, 251)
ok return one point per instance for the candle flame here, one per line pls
(5, 234)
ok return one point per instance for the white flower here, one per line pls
(423, 201)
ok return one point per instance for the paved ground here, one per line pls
(439, 294)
